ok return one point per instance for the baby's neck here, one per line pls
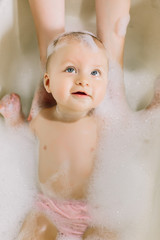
(69, 115)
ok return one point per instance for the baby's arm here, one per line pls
(49, 20)
(112, 20)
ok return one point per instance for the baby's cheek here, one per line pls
(100, 94)
(62, 92)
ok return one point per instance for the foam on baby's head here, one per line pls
(84, 37)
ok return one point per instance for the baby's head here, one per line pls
(76, 71)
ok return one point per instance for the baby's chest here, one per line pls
(67, 149)
(70, 139)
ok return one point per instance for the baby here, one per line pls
(76, 76)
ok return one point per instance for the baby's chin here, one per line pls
(81, 109)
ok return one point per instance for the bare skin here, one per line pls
(49, 18)
(66, 145)
(112, 18)
(78, 83)
(49, 21)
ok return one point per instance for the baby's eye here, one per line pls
(95, 73)
(70, 70)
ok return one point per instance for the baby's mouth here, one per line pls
(80, 93)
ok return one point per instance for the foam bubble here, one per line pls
(17, 178)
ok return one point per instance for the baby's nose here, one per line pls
(82, 81)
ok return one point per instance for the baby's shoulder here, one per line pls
(41, 119)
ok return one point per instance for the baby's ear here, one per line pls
(46, 82)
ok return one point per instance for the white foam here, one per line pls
(124, 182)
(62, 237)
(17, 178)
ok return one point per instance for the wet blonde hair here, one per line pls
(85, 37)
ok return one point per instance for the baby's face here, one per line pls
(77, 76)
